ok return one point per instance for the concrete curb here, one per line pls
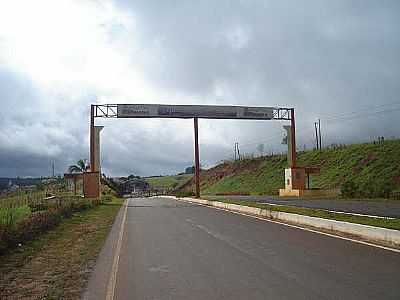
(365, 232)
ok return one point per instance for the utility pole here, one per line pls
(319, 132)
(52, 167)
(293, 138)
(92, 140)
(235, 151)
(238, 152)
(316, 134)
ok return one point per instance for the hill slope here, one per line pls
(372, 170)
(169, 182)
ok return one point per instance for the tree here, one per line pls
(190, 170)
(81, 166)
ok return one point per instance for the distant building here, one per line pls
(134, 185)
(49, 180)
(13, 187)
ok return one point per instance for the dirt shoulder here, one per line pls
(58, 264)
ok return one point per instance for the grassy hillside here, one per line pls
(168, 182)
(372, 170)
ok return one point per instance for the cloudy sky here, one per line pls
(334, 60)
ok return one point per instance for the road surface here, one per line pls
(385, 208)
(176, 250)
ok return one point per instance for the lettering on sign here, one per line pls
(192, 111)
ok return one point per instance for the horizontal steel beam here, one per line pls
(190, 111)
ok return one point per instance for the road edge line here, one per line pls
(114, 269)
(297, 227)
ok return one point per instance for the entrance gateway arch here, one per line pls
(194, 112)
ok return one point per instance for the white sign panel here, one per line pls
(191, 111)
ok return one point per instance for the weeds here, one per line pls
(35, 216)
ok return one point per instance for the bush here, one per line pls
(376, 189)
(28, 228)
(373, 188)
(183, 194)
(41, 221)
(106, 198)
(349, 189)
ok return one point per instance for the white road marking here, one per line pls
(298, 227)
(159, 269)
(114, 269)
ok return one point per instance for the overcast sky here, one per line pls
(334, 60)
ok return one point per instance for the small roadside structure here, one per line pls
(74, 182)
(297, 183)
(135, 186)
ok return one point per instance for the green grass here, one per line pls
(169, 181)
(267, 178)
(13, 215)
(57, 265)
(371, 167)
(377, 222)
(21, 198)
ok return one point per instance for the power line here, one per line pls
(332, 120)
(262, 142)
(366, 108)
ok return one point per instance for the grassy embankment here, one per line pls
(57, 264)
(369, 170)
(390, 223)
(24, 218)
(169, 182)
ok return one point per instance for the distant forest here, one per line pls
(19, 181)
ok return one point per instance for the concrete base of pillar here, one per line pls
(307, 193)
(91, 184)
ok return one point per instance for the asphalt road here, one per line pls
(386, 208)
(176, 250)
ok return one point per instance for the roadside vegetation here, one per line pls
(49, 240)
(390, 223)
(24, 215)
(359, 171)
(57, 264)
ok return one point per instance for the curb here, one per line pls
(365, 232)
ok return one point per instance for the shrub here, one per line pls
(106, 198)
(182, 194)
(39, 221)
(372, 188)
(349, 189)
(376, 188)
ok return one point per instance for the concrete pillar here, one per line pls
(288, 140)
(97, 165)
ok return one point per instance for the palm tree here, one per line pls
(81, 166)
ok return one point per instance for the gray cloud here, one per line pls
(325, 58)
